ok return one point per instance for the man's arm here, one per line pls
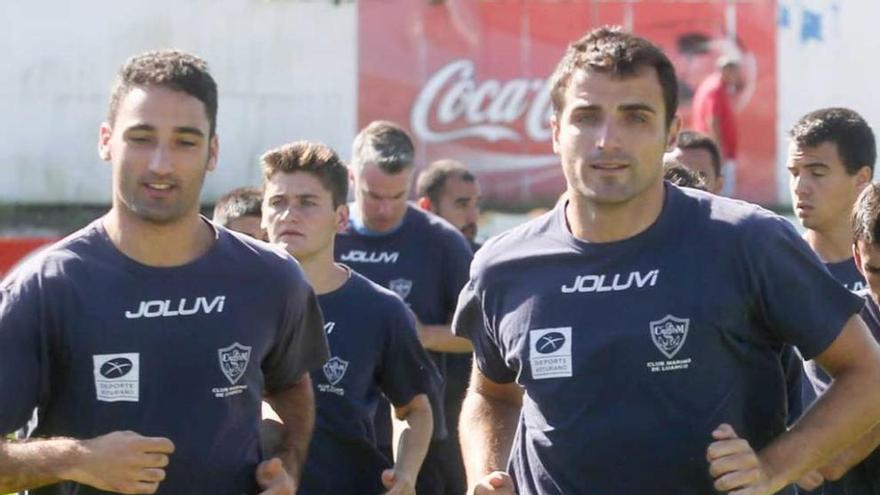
(295, 407)
(439, 338)
(487, 426)
(848, 409)
(412, 433)
(121, 462)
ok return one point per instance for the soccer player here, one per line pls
(629, 341)
(418, 255)
(699, 153)
(830, 160)
(147, 340)
(449, 190)
(372, 335)
(239, 210)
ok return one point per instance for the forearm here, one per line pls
(296, 409)
(34, 463)
(853, 455)
(439, 338)
(486, 429)
(849, 407)
(412, 436)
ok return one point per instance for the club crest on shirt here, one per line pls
(669, 334)
(401, 287)
(234, 361)
(334, 369)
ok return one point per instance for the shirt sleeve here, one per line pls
(472, 322)
(406, 370)
(797, 299)
(23, 362)
(301, 344)
(458, 262)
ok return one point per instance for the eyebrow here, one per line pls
(638, 107)
(177, 130)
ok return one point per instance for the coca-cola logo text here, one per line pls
(487, 110)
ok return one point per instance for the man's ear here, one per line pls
(424, 203)
(857, 258)
(342, 215)
(105, 132)
(672, 136)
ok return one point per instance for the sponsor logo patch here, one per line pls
(117, 377)
(550, 353)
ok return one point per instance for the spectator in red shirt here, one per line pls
(713, 114)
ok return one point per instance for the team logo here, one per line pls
(669, 334)
(334, 370)
(401, 286)
(234, 361)
(549, 342)
(117, 377)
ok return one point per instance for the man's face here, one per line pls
(822, 192)
(298, 214)
(381, 197)
(700, 161)
(611, 136)
(248, 225)
(160, 150)
(459, 204)
(867, 258)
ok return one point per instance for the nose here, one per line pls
(385, 207)
(472, 214)
(160, 161)
(800, 186)
(607, 135)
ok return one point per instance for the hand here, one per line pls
(122, 462)
(734, 465)
(495, 482)
(811, 480)
(398, 483)
(273, 478)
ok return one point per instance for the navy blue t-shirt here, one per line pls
(375, 352)
(98, 342)
(425, 261)
(631, 353)
(817, 380)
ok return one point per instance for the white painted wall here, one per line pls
(286, 70)
(842, 68)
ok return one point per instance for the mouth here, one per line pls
(609, 166)
(290, 233)
(158, 189)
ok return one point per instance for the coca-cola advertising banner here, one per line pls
(467, 78)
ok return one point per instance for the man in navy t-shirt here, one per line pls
(416, 254)
(630, 340)
(373, 343)
(856, 471)
(449, 190)
(148, 340)
(239, 210)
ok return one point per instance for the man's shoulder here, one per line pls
(249, 255)
(722, 214)
(540, 235)
(55, 260)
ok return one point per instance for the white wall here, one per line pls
(842, 68)
(286, 70)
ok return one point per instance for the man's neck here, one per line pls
(592, 222)
(323, 273)
(159, 245)
(832, 246)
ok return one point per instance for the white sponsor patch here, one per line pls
(117, 377)
(550, 352)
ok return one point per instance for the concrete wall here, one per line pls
(828, 56)
(286, 70)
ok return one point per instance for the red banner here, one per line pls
(14, 249)
(467, 78)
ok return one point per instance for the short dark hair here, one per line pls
(384, 143)
(312, 158)
(676, 173)
(608, 49)
(170, 69)
(693, 140)
(866, 215)
(433, 179)
(843, 127)
(237, 203)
